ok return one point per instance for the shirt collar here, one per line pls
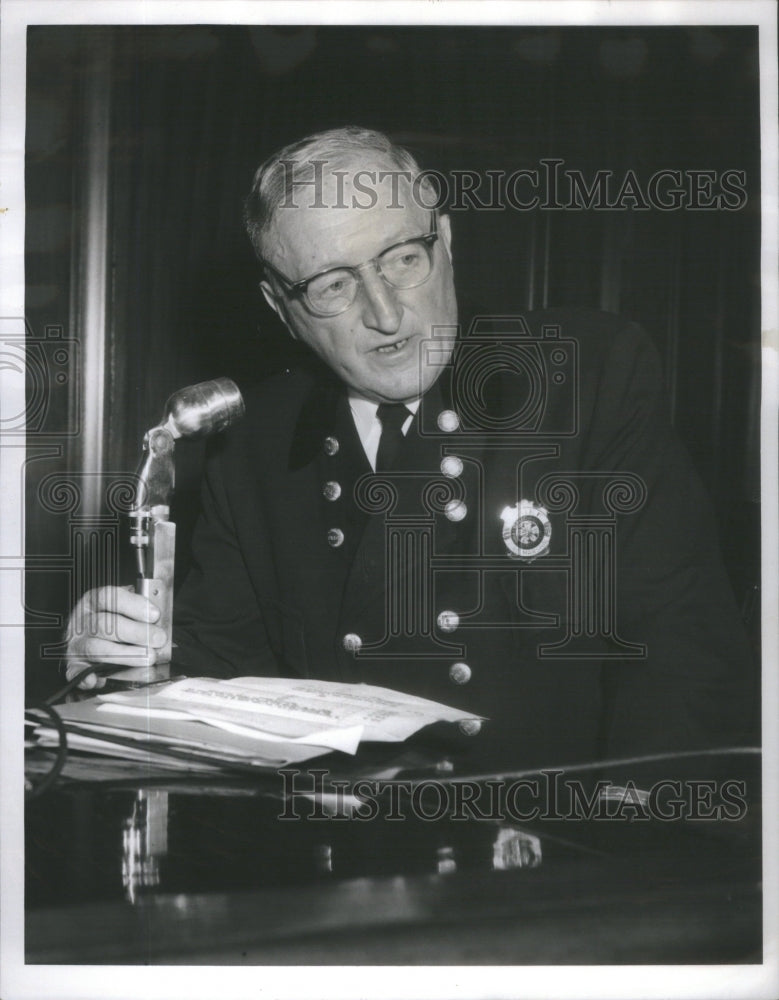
(369, 426)
(364, 410)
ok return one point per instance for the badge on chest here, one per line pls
(527, 531)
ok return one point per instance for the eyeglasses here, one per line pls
(328, 293)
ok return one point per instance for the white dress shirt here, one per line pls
(369, 426)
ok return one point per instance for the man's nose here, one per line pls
(381, 310)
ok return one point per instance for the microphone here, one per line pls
(202, 409)
(193, 412)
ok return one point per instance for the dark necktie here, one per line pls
(392, 417)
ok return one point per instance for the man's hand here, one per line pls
(115, 626)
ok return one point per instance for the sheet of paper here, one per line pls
(182, 734)
(207, 758)
(345, 738)
(388, 715)
(262, 721)
(49, 738)
(204, 700)
(297, 707)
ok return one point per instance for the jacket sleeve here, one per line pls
(218, 625)
(694, 687)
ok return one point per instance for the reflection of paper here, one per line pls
(297, 708)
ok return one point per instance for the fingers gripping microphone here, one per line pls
(193, 412)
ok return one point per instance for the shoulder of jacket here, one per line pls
(272, 407)
(280, 393)
(594, 325)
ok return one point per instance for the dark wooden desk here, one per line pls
(204, 872)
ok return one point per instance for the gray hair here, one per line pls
(274, 183)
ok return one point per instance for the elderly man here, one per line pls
(497, 517)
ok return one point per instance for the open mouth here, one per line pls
(392, 348)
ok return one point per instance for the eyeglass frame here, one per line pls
(299, 289)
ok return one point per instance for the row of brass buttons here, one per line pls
(455, 510)
(451, 466)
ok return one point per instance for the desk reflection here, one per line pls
(206, 871)
(144, 834)
(144, 842)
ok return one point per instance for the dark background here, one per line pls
(193, 110)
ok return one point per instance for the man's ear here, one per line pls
(278, 305)
(445, 230)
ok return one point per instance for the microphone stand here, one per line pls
(195, 411)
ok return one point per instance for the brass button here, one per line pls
(448, 621)
(459, 673)
(445, 861)
(470, 727)
(448, 421)
(331, 445)
(455, 510)
(331, 490)
(352, 642)
(335, 537)
(451, 466)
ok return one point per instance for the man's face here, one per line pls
(375, 346)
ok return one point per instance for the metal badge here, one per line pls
(526, 529)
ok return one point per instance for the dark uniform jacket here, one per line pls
(541, 554)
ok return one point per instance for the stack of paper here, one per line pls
(251, 721)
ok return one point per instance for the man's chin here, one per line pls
(383, 381)
(403, 391)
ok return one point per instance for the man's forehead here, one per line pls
(357, 180)
(346, 211)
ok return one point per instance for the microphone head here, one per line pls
(204, 408)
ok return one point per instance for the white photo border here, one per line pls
(80, 982)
